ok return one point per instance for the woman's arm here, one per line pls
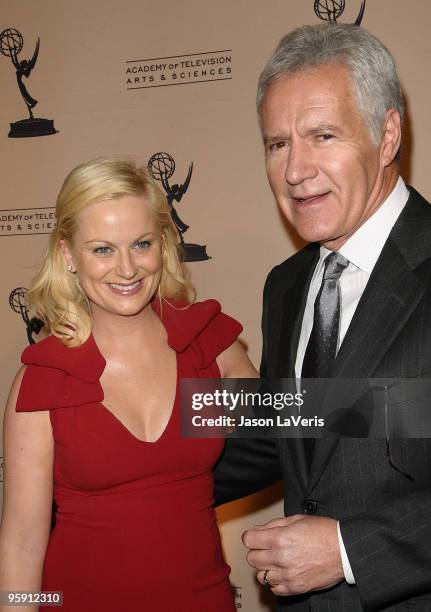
(234, 363)
(28, 482)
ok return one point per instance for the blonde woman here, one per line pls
(93, 416)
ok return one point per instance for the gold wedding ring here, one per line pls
(266, 582)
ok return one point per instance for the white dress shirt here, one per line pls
(362, 250)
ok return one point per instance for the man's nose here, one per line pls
(300, 164)
(127, 267)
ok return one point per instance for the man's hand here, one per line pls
(301, 553)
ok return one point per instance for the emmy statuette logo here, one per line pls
(162, 167)
(18, 303)
(331, 10)
(11, 44)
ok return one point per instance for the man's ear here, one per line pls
(391, 139)
(67, 254)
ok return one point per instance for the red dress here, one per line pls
(135, 528)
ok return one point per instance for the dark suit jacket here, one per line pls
(385, 517)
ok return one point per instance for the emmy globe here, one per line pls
(11, 44)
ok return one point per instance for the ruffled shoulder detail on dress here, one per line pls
(201, 327)
(57, 376)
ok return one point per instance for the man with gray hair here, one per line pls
(355, 303)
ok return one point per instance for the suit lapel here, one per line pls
(293, 310)
(392, 294)
(293, 304)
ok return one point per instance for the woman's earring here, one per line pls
(70, 268)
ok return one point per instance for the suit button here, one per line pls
(310, 506)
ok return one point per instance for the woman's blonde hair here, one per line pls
(55, 295)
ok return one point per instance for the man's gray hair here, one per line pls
(372, 67)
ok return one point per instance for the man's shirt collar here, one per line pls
(363, 248)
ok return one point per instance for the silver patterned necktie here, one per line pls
(323, 342)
